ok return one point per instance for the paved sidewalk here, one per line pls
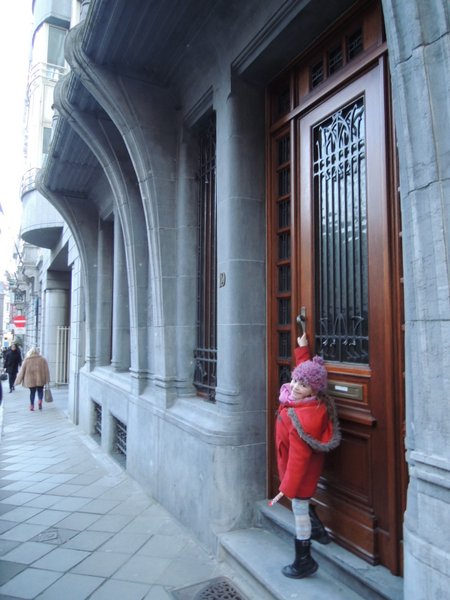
(74, 525)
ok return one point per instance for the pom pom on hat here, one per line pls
(313, 373)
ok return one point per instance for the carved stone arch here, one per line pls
(83, 227)
(145, 116)
(121, 178)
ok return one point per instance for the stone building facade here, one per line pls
(221, 167)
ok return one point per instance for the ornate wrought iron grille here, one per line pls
(341, 221)
(206, 352)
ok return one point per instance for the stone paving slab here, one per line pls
(74, 525)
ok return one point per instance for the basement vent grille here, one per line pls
(97, 435)
(120, 441)
(219, 588)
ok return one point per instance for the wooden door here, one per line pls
(339, 262)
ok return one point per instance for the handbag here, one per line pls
(4, 376)
(48, 394)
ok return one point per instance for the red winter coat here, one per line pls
(305, 430)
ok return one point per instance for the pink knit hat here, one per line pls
(313, 373)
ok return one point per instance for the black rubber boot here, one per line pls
(304, 564)
(318, 531)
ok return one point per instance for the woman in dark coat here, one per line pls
(13, 360)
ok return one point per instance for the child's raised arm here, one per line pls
(302, 351)
(302, 340)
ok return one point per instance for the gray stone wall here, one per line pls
(418, 38)
(168, 428)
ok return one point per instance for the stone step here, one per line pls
(259, 554)
(370, 582)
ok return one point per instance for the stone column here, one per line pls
(187, 199)
(104, 295)
(241, 253)
(121, 310)
(418, 38)
(77, 338)
(56, 311)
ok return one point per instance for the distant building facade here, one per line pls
(2, 312)
(219, 169)
(46, 259)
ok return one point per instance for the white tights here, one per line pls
(300, 509)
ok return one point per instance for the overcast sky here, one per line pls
(15, 43)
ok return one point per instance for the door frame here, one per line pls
(374, 58)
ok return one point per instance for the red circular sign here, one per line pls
(19, 320)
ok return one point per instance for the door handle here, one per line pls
(301, 320)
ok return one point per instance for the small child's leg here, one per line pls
(300, 509)
(304, 564)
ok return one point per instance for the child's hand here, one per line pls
(303, 340)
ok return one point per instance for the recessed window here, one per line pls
(337, 56)
(284, 102)
(284, 214)
(46, 136)
(284, 181)
(55, 50)
(335, 59)
(205, 354)
(284, 245)
(284, 278)
(354, 44)
(284, 344)
(316, 74)
(284, 150)
(284, 311)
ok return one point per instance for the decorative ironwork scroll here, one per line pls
(340, 200)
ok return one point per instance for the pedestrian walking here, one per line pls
(13, 360)
(307, 427)
(34, 375)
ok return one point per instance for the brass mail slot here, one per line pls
(354, 391)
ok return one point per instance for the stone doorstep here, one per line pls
(260, 553)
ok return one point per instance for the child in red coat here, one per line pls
(306, 428)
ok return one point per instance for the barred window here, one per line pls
(206, 352)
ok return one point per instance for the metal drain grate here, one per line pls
(49, 535)
(220, 588)
(54, 536)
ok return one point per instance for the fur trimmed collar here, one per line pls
(316, 445)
